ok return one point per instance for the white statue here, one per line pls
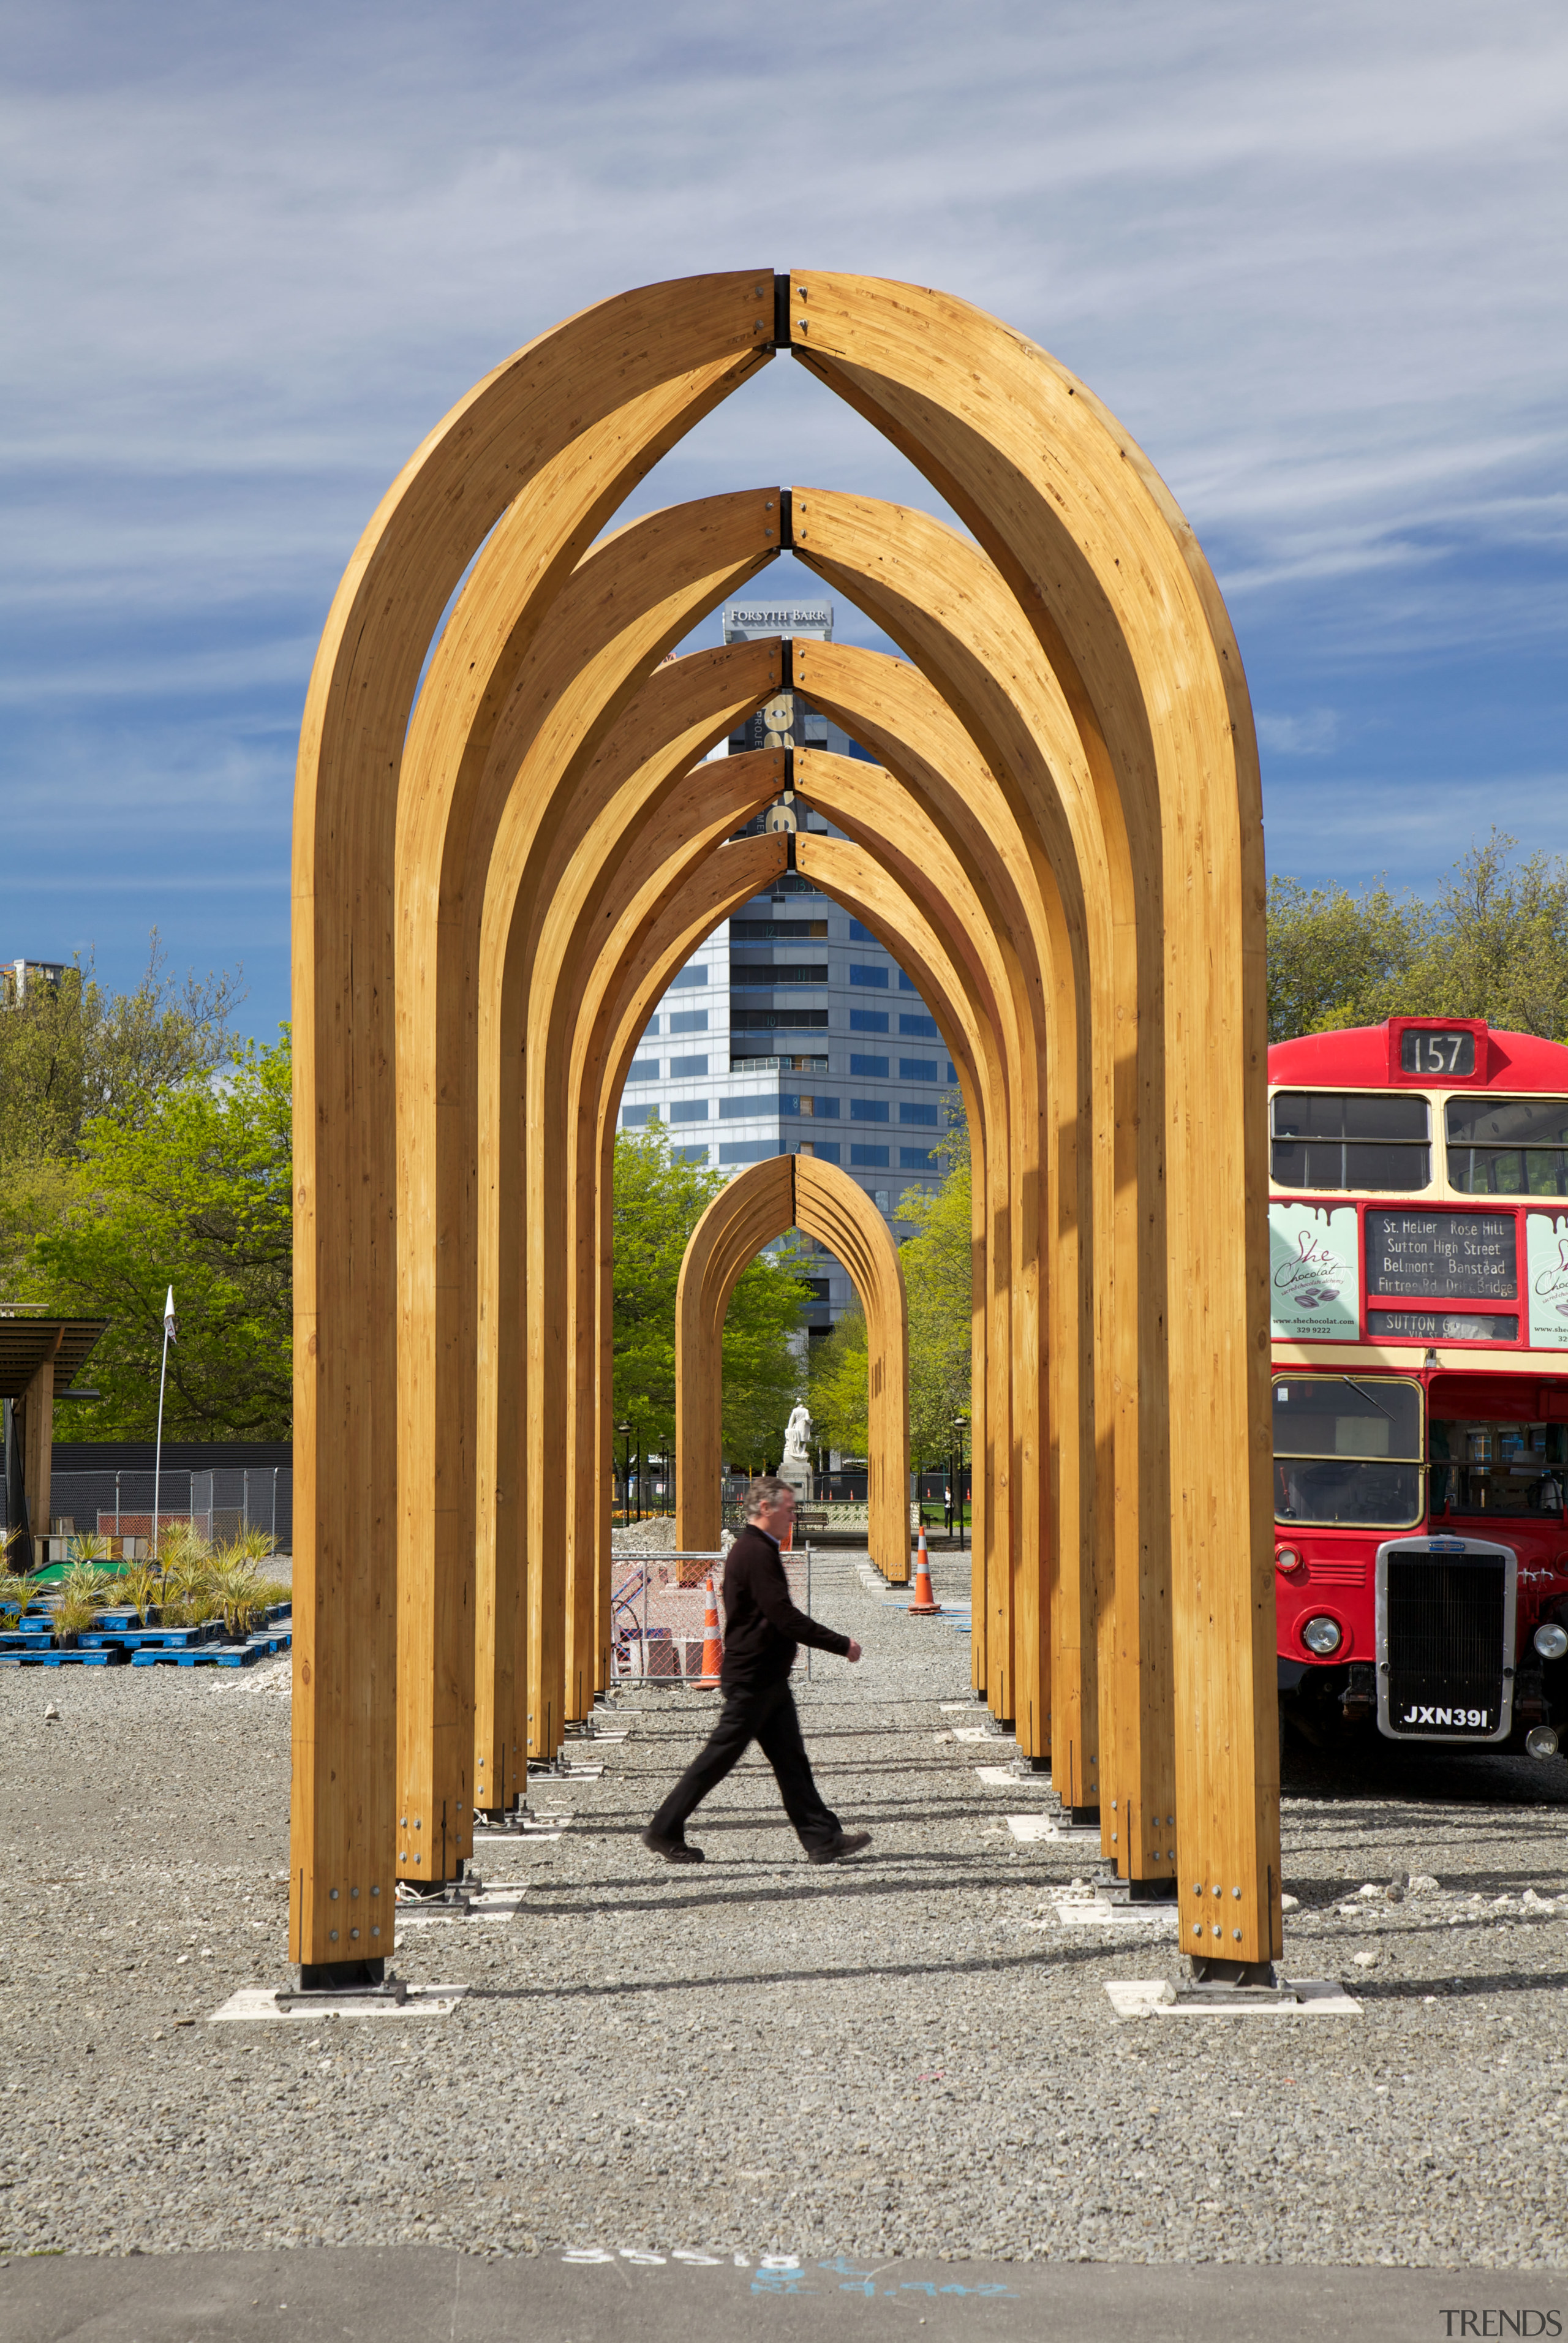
(798, 1434)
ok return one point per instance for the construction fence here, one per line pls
(220, 1503)
(659, 1603)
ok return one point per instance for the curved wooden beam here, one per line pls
(1118, 599)
(1106, 571)
(567, 426)
(782, 1193)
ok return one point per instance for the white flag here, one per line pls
(169, 1319)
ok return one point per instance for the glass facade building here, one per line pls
(794, 1030)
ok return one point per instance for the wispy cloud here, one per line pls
(1311, 735)
(1310, 257)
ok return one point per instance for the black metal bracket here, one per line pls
(787, 654)
(781, 337)
(787, 528)
(1140, 1891)
(342, 1976)
(1233, 1976)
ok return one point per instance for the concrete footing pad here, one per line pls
(261, 2002)
(1027, 1828)
(1157, 1997)
(1085, 1909)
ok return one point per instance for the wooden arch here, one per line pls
(428, 1398)
(782, 1193)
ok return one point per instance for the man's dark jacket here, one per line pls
(761, 1625)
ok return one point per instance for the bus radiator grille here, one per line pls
(1445, 1641)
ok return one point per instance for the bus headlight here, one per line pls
(1287, 1559)
(1541, 1741)
(1323, 1637)
(1550, 1640)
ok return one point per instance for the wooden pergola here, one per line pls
(39, 1358)
(507, 841)
(788, 1192)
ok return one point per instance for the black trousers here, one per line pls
(768, 1717)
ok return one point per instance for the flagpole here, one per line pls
(158, 1451)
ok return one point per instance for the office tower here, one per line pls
(793, 1030)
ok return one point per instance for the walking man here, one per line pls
(762, 1629)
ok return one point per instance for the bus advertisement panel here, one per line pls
(1419, 1298)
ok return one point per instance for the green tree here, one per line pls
(69, 1051)
(1494, 944)
(195, 1190)
(840, 1397)
(1332, 956)
(659, 1200)
(937, 1266)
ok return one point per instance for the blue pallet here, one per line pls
(172, 1639)
(238, 1655)
(277, 1611)
(77, 1659)
(159, 1655)
(274, 1639)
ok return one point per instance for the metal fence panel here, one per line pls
(658, 1603)
(220, 1503)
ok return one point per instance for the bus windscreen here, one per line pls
(1347, 1452)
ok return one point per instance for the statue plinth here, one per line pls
(796, 1473)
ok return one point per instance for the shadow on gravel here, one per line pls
(995, 1965)
(1470, 1989)
(1372, 1767)
(611, 1895)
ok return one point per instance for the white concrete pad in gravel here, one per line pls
(974, 1733)
(256, 2003)
(1081, 1911)
(500, 1903)
(1156, 1997)
(1002, 1777)
(1029, 1827)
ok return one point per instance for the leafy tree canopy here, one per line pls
(69, 1051)
(659, 1200)
(937, 1283)
(194, 1191)
(1494, 944)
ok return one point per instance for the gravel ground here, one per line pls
(907, 2055)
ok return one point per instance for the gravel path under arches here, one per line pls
(908, 2054)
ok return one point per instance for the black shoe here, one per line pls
(847, 1843)
(674, 1850)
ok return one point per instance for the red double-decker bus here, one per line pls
(1419, 1293)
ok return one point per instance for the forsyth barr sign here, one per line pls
(750, 622)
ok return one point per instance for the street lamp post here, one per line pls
(961, 1425)
(625, 1432)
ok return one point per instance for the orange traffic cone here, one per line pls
(923, 1604)
(712, 1646)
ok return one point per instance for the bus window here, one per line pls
(1347, 1453)
(1508, 1147)
(1351, 1139)
(1516, 1470)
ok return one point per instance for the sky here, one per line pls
(1312, 258)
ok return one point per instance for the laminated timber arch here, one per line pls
(1083, 540)
(930, 920)
(788, 1191)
